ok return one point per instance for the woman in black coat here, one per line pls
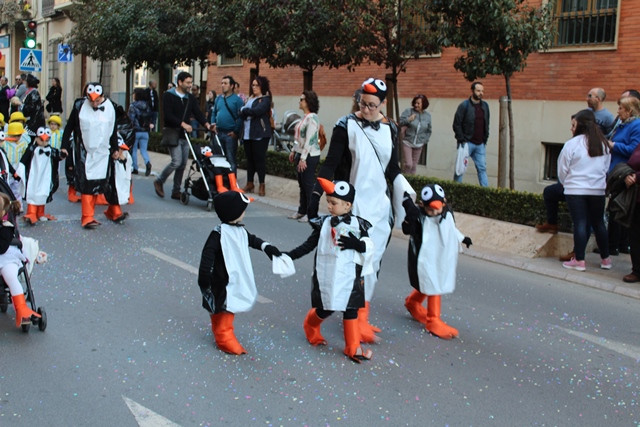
(32, 107)
(54, 97)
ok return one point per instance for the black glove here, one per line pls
(272, 251)
(410, 208)
(467, 241)
(352, 242)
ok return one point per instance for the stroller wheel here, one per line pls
(209, 206)
(4, 302)
(42, 321)
(184, 198)
(25, 328)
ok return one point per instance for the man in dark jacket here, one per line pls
(471, 126)
(178, 105)
(4, 99)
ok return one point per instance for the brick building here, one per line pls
(597, 46)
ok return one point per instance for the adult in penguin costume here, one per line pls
(225, 276)
(41, 171)
(343, 256)
(433, 257)
(363, 152)
(92, 124)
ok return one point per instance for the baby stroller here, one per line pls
(209, 172)
(24, 276)
(283, 138)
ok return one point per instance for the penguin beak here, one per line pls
(208, 154)
(93, 96)
(328, 186)
(436, 204)
(44, 137)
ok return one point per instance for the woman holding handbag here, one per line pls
(256, 132)
(417, 123)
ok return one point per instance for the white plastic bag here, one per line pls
(462, 158)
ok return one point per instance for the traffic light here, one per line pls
(30, 35)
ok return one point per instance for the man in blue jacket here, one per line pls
(471, 126)
(225, 118)
(179, 105)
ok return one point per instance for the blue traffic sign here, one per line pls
(31, 60)
(64, 53)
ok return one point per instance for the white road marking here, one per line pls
(622, 348)
(146, 417)
(187, 267)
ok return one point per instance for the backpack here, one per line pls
(144, 118)
(322, 138)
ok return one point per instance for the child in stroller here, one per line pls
(12, 264)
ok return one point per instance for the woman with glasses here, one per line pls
(363, 152)
(306, 152)
(256, 132)
(417, 124)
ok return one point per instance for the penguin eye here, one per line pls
(380, 84)
(2, 136)
(341, 188)
(245, 198)
(427, 194)
(40, 132)
(90, 89)
(47, 131)
(368, 81)
(439, 190)
(98, 89)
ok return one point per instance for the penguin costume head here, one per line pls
(42, 136)
(340, 196)
(206, 151)
(432, 199)
(230, 206)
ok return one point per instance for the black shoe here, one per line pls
(158, 187)
(121, 218)
(135, 172)
(176, 196)
(147, 171)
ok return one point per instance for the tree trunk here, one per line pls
(507, 80)
(307, 80)
(127, 90)
(503, 147)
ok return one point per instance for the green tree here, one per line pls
(398, 31)
(496, 37)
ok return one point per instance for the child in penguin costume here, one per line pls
(11, 259)
(433, 257)
(343, 257)
(225, 276)
(41, 170)
(221, 166)
(122, 169)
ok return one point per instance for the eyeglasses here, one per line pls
(370, 106)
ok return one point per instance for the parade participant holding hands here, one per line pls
(41, 170)
(92, 124)
(363, 152)
(226, 275)
(343, 255)
(433, 257)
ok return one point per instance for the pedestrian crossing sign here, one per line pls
(31, 60)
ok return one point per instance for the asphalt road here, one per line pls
(128, 344)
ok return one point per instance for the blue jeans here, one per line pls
(478, 153)
(142, 141)
(179, 157)
(587, 210)
(230, 147)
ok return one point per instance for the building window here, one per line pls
(54, 65)
(229, 61)
(551, 154)
(585, 22)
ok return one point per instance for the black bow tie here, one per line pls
(123, 161)
(335, 220)
(374, 125)
(101, 108)
(48, 153)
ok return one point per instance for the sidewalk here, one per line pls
(514, 245)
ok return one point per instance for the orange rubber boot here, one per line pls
(220, 188)
(101, 200)
(88, 211)
(113, 212)
(31, 217)
(233, 183)
(23, 312)
(223, 333)
(42, 214)
(435, 325)
(72, 195)
(311, 328)
(367, 331)
(413, 303)
(352, 342)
